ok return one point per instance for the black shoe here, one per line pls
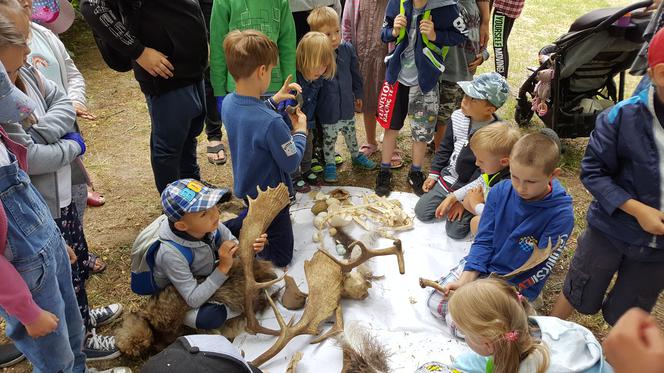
(416, 179)
(383, 183)
(10, 355)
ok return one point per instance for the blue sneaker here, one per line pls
(330, 173)
(364, 162)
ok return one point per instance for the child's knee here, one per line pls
(425, 208)
(437, 304)
(457, 229)
(211, 316)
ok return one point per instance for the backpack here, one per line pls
(143, 254)
(129, 12)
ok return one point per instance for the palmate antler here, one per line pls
(367, 254)
(537, 257)
(262, 210)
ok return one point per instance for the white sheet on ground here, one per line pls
(395, 310)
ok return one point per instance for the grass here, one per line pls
(119, 164)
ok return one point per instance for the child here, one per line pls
(263, 151)
(453, 165)
(315, 62)
(621, 168)
(53, 144)
(34, 256)
(530, 211)
(338, 96)
(421, 33)
(504, 14)
(193, 222)
(505, 339)
(491, 146)
(271, 17)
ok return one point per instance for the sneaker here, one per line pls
(10, 355)
(104, 315)
(383, 181)
(330, 175)
(316, 166)
(100, 347)
(364, 162)
(338, 159)
(301, 186)
(416, 179)
(112, 370)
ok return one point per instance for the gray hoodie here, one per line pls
(171, 267)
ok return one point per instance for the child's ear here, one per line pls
(181, 226)
(490, 109)
(505, 161)
(556, 172)
(657, 74)
(262, 70)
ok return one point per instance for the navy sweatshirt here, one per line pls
(336, 100)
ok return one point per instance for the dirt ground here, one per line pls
(118, 160)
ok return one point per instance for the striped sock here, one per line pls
(415, 168)
(384, 166)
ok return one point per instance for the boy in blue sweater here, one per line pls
(528, 211)
(622, 169)
(264, 150)
(423, 31)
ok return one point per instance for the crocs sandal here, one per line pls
(316, 167)
(95, 264)
(338, 159)
(311, 178)
(396, 161)
(215, 150)
(368, 149)
(95, 199)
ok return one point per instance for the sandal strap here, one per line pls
(216, 148)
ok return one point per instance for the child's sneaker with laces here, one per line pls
(301, 186)
(330, 174)
(362, 161)
(100, 347)
(104, 315)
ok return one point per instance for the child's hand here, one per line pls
(155, 63)
(226, 252)
(428, 184)
(444, 206)
(635, 344)
(82, 111)
(285, 91)
(455, 212)
(479, 59)
(473, 198)
(399, 23)
(298, 120)
(449, 288)
(650, 219)
(44, 325)
(484, 34)
(72, 254)
(260, 243)
(426, 28)
(358, 105)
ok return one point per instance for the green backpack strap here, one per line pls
(489, 365)
(427, 15)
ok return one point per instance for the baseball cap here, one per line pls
(656, 49)
(488, 86)
(188, 195)
(15, 106)
(55, 15)
(197, 354)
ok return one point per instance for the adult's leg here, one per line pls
(188, 164)
(502, 26)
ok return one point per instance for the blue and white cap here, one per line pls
(188, 196)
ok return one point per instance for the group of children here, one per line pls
(486, 179)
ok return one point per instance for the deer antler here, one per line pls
(432, 284)
(537, 257)
(262, 210)
(367, 254)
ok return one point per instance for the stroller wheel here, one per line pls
(522, 115)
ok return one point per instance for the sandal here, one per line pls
(368, 149)
(95, 264)
(396, 161)
(215, 150)
(338, 159)
(95, 199)
(316, 167)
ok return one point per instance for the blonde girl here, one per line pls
(497, 325)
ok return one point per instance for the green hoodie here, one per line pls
(271, 17)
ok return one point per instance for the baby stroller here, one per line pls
(581, 66)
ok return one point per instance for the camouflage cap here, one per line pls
(488, 86)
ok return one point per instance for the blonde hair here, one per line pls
(536, 150)
(322, 16)
(248, 50)
(492, 309)
(314, 51)
(496, 138)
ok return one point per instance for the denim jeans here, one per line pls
(177, 119)
(38, 253)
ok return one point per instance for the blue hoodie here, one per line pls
(449, 27)
(510, 226)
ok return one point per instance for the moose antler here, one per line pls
(537, 257)
(262, 210)
(367, 254)
(432, 284)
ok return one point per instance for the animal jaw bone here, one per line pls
(367, 254)
(537, 257)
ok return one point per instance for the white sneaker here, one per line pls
(112, 370)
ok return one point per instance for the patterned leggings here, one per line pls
(330, 134)
(72, 231)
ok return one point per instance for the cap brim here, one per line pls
(65, 18)
(470, 90)
(15, 106)
(215, 196)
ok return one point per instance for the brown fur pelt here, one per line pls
(160, 321)
(363, 353)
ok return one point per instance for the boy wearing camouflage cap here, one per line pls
(453, 165)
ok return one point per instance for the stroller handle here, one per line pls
(622, 12)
